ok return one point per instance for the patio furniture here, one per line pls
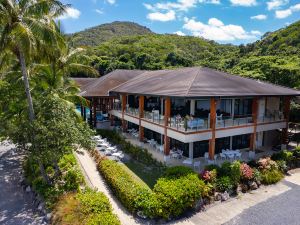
(223, 156)
(174, 155)
(197, 164)
(206, 155)
(195, 123)
(238, 155)
(210, 162)
(251, 154)
(187, 162)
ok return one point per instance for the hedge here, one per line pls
(122, 183)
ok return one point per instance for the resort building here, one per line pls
(198, 110)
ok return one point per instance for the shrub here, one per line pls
(212, 167)
(296, 152)
(271, 176)
(89, 208)
(265, 164)
(103, 219)
(246, 172)
(225, 169)
(93, 202)
(126, 188)
(257, 175)
(282, 166)
(224, 184)
(73, 179)
(209, 176)
(178, 171)
(283, 155)
(172, 197)
(235, 172)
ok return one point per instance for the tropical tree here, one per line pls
(28, 26)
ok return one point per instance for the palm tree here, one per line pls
(27, 26)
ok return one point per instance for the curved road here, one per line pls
(15, 205)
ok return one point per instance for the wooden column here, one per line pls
(166, 117)
(141, 115)
(124, 102)
(212, 141)
(254, 118)
(95, 112)
(286, 114)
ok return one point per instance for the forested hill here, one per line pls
(275, 58)
(96, 35)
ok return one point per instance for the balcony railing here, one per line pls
(154, 116)
(132, 111)
(236, 121)
(271, 117)
(188, 124)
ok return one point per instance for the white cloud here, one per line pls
(180, 33)
(71, 13)
(112, 2)
(259, 17)
(256, 32)
(276, 4)
(243, 2)
(281, 14)
(163, 17)
(99, 11)
(215, 2)
(216, 30)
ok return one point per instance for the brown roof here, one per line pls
(102, 85)
(197, 82)
(82, 82)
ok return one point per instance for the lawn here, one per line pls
(145, 173)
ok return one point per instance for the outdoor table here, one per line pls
(105, 144)
(188, 162)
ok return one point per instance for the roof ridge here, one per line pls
(146, 71)
(190, 85)
(253, 79)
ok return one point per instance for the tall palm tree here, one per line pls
(26, 27)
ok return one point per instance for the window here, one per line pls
(222, 143)
(242, 107)
(241, 141)
(200, 147)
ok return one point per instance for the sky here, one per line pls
(224, 21)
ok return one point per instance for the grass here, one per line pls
(146, 176)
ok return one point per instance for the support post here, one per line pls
(191, 150)
(95, 112)
(141, 115)
(212, 141)
(286, 114)
(192, 107)
(254, 118)
(124, 102)
(166, 138)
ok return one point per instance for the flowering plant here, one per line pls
(265, 164)
(209, 175)
(246, 171)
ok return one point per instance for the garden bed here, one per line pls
(180, 190)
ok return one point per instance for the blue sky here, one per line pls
(225, 21)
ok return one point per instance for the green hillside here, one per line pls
(96, 35)
(275, 58)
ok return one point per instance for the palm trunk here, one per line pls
(26, 83)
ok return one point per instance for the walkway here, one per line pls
(15, 205)
(95, 180)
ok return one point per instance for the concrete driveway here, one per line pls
(283, 209)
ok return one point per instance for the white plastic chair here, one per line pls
(223, 156)
(197, 164)
(206, 155)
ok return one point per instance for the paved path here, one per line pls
(95, 180)
(15, 205)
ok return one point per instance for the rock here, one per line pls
(28, 189)
(48, 217)
(253, 185)
(244, 188)
(199, 205)
(41, 207)
(217, 196)
(239, 189)
(258, 183)
(224, 196)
